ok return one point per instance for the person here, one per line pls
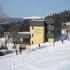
(20, 48)
(62, 40)
(39, 45)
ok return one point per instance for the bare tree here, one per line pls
(1, 30)
(2, 15)
(14, 29)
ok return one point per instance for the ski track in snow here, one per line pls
(53, 57)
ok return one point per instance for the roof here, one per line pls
(23, 32)
(34, 17)
(38, 19)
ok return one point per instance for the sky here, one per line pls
(24, 8)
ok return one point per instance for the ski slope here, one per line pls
(49, 57)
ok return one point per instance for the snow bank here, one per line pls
(10, 46)
(2, 41)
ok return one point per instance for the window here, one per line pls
(32, 42)
(29, 36)
(32, 35)
(32, 27)
(49, 31)
(26, 40)
(52, 31)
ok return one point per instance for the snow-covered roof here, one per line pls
(23, 32)
(38, 20)
(67, 23)
(34, 17)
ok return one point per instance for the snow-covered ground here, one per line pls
(49, 57)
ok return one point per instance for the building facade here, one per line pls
(37, 31)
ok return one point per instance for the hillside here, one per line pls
(8, 20)
(48, 57)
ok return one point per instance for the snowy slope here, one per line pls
(55, 57)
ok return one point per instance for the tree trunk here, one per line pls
(15, 45)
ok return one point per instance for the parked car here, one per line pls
(1, 53)
(22, 46)
(4, 52)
